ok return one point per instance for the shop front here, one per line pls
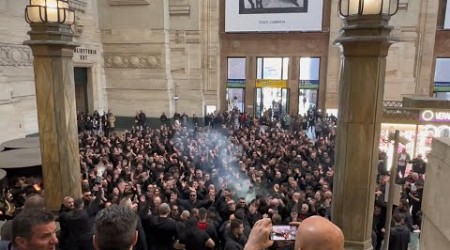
(272, 97)
(417, 131)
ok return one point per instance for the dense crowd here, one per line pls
(204, 187)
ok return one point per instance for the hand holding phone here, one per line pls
(283, 232)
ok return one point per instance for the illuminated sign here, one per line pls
(435, 116)
(260, 83)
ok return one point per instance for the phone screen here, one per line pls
(283, 232)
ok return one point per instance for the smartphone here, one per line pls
(283, 232)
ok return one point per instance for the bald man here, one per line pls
(314, 233)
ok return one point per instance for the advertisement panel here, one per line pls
(273, 15)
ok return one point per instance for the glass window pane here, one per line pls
(236, 68)
(259, 66)
(309, 68)
(447, 16)
(443, 95)
(442, 72)
(272, 68)
(235, 99)
(285, 68)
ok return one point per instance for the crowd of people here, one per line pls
(205, 187)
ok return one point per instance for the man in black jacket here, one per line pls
(235, 240)
(162, 230)
(400, 234)
(79, 228)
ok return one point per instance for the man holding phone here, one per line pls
(314, 233)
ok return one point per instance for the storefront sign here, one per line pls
(435, 116)
(441, 86)
(308, 84)
(263, 83)
(236, 83)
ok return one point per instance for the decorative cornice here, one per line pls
(132, 61)
(79, 5)
(403, 4)
(179, 10)
(128, 2)
(15, 55)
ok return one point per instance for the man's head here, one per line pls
(34, 201)
(68, 202)
(164, 209)
(115, 220)
(237, 227)
(318, 233)
(34, 229)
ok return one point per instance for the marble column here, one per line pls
(52, 48)
(364, 46)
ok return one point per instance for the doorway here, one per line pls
(81, 86)
(307, 100)
(273, 100)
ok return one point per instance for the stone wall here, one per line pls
(17, 94)
(409, 69)
(436, 221)
(18, 115)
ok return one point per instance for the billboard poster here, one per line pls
(272, 6)
(273, 15)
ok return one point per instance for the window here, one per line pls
(236, 83)
(273, 68)
(236, 68)
(447, 16)
(308, 84)
(442, 78)
(309, 70)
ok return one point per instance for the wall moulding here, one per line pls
(179, 10)
(128, 2)
(79, 5)
(403, 5)
(132, 61)
(15, 55)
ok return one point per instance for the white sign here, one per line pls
(435, 116)
(447, 16)
(273, 15)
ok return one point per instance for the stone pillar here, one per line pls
(435, 222)
(364, 45)
(52, 48)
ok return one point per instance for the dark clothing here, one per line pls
(64, 215)
(400, 238)
(234, 243)
(142, 241)
(5, 245)
(79, 230)
(210, 229)
(162, 233)
(6, 230)
(195, 240)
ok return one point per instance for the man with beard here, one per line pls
(64, 212)
(79, 228)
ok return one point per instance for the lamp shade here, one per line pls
(49, 11)
(367, 7)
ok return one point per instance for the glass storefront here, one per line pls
(308, 84)
(272, 93)
(416, 139)
(235, 95)
(442, 78)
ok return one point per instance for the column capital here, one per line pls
(366, 36)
